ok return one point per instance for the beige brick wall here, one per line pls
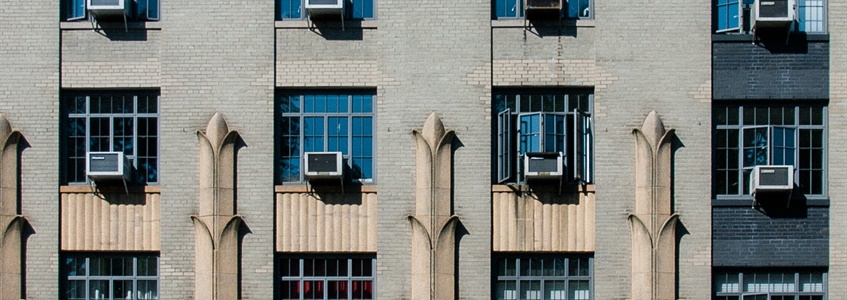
(29, 80)
(115, 60)
(837, 154)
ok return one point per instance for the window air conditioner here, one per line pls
(107, 166)
(554, 5)
(772, 179)
(774, 13)
(108, 8)
(324, 7)
(539, 165)
(323, 165)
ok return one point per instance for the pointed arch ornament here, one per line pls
(11, 220)
(216, 226)
(433, 224)
(653, 225)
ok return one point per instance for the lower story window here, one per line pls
(326, 277)
(544, 276)
(110, 276)
(770, 284)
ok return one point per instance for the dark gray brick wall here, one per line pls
(743, 236)
(744, 70)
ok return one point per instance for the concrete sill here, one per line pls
(521, 23)
(305, 188)
(86, 25)
(67, 189)
(305, 24)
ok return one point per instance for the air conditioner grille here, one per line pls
(773, 176)
(106, 162)
(323, 162)
(543, 4)
(544, 165)
(105, 2)
(773, 8)
(323, 2)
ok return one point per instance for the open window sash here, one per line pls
(582, 143)
(76, 10)
(729, 15)
(755, 296)
(504, 146)
(147, 9)
(783, 146)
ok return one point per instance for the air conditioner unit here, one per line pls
(323, 165)
(539, 165)
(555, 5)
(774, 13)
(772, 179)
(102, 9)
(318, 8)
(107, 166)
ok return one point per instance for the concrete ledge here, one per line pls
(305, 188)
(86, 25)
(521, 23)
(304, 24)
(500, 188)
(149, 189)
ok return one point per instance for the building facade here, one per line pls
(444, 150)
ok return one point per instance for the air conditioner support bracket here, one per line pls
(95, 24)
(312, 23)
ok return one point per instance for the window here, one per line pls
(544, 121)
(571, 9)
(325, 122)
(549, 277)
(353, 9)
(751, 135)
(323, 277)
(139, 10)
(770, 285)
(126, 121)
(110, 276)
(735, 15)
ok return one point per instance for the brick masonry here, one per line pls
(837, 147)
(743, 70)
(743, 236)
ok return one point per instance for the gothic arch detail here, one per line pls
(217, 225)
(11, 220)
(653, 224)
(433, 224)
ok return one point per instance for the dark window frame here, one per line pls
(502, 278)
(87, 278)
(735, 281)
(576, 108)
(731, 120)
(73, 160)
(307, 273)
(350, 10)
(75, 10)
(283, 119)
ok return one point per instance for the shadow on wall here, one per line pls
(332, 29)
(116, 30)
(779, 41)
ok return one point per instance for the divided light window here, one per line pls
(125, 121)
(353, 9)
(538, 120)
(571, 9)
(544, 276)
(139, 10)
(750, 135)
(768, 284)
(323, 277)
(325, 122)
(735, 15)
(110, 276)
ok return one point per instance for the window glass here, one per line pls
(768, 135)
(353, 9)
(779, 284)
(337, 122)
(326, 277)
(139, 10)
(542, 120)
(543, 276)
(110, 276)
(117, 121)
